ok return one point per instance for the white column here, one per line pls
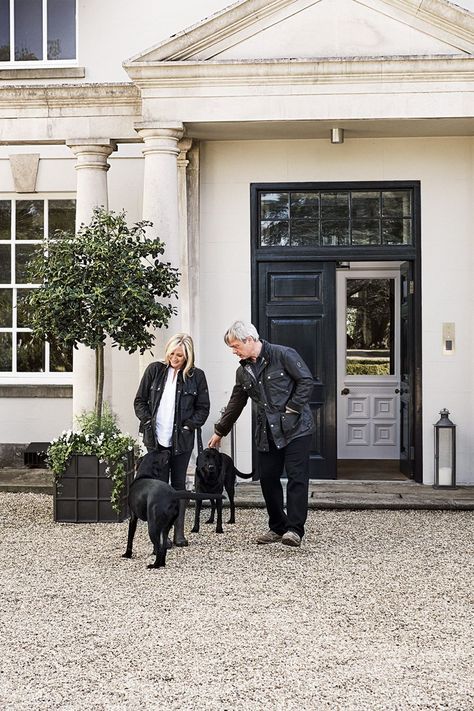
(91, 167)
(160, 206)
(184, 294)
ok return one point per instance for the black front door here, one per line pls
(297, 308)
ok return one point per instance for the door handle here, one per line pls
(397, 390)
(345, 391)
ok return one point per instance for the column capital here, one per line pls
(160, 137)
(183, 146)
(92, 152)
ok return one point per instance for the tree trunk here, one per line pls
(99, 381)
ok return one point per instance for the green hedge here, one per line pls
(361, 368)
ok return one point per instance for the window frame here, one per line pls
(14, 377)
(363, 252)
(13, 63)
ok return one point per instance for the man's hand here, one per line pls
(214, 442)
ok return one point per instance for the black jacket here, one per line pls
(191, 406)
(279, 381)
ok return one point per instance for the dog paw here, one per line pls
(211, 520)
(219, 530)
(195, 530)
(231, 520)
(127, 554)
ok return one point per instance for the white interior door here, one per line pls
(368, 362)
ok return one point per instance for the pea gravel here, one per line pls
(374, 612)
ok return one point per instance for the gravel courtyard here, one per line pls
(375, 611)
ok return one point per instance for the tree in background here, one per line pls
(105, 281)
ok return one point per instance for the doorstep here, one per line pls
(323, 494)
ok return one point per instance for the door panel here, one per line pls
(297, 308)
(368, 363)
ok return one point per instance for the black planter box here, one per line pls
(82, 494)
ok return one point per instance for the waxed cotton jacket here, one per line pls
(280, 381)
(191, 405)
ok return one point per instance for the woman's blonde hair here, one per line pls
(186, 343)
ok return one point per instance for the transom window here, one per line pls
(336, 218)
(37, 30)
(23, 224)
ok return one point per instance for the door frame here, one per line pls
(398, 253)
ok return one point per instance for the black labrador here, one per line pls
(215, 471)
(157, 503)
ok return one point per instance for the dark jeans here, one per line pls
(294, 458)
(178, 468)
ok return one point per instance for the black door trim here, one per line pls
(390, 253)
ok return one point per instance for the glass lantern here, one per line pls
(445, 452)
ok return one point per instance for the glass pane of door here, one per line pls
(370, 327)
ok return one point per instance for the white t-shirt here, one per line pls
(165, 414)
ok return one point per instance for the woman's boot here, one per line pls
(179, 540)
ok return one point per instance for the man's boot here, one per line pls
(179, 540)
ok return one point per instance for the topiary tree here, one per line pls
(102, 282)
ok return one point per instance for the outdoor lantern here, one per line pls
(445, 452)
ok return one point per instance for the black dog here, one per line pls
(215, 471)
(157, 503)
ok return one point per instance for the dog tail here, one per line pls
(243, 476)
(194, 496)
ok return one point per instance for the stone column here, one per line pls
(160, 206)
(184, 293)
(193, 237)
(91, 167)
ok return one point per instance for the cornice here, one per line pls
(340, 70)
(125, 96)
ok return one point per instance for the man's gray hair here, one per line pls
(240, 331)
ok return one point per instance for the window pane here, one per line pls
(335, 232)
(5, 264)
(5, 219)
(334, 206)
(304, 232)
(396, 203)
(396, 232)
(369, 327)
(61, 29)
(274, 206)
(30, 354)
(274, 234)
(24, 253)
(28, 30)
(22, 310)
(29, 219)
(4, 30)
(304, 205)
(62, 216)
(60, 359)
(5, 352)
(6, 305)
(367, 232)
(365, 206)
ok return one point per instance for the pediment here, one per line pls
(309, 29)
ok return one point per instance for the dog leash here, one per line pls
(199, 441)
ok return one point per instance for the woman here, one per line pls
(171, 403)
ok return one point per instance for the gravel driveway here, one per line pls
(375, 611)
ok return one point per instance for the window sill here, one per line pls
(36, 391)
(42, 73)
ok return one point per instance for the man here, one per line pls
(280, 384)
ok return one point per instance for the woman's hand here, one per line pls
(214, 442)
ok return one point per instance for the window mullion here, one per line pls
(44, 6)
(12, 30)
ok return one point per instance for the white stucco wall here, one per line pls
(445, 169)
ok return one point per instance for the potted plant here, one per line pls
(101, 283)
